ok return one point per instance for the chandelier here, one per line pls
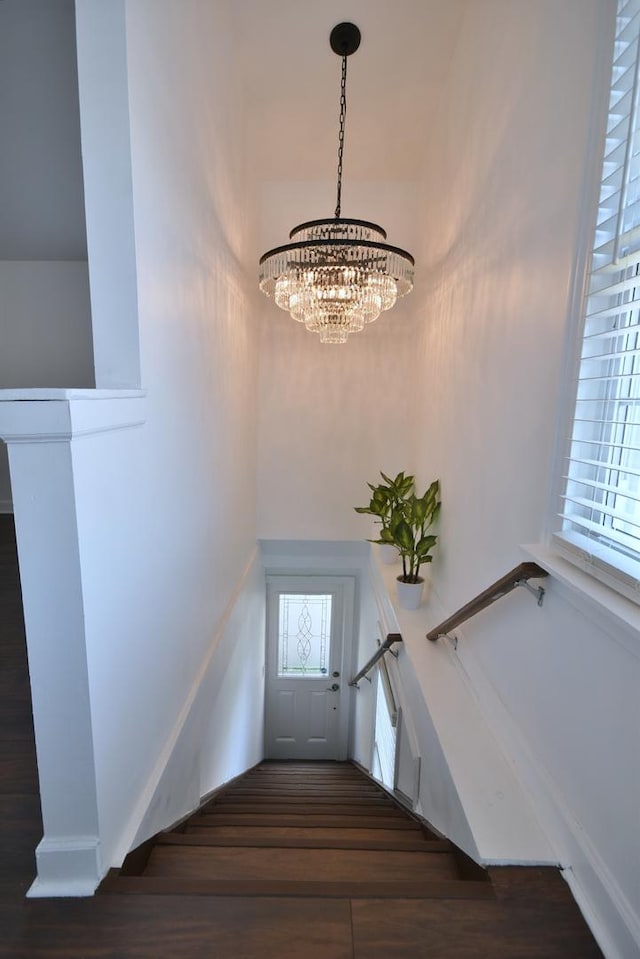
(337, 275)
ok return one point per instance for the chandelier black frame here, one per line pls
(339, 274)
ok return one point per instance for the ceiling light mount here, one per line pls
(339, 274)
(345, 39)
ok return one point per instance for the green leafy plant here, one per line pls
(405, 520)
(408, 530)
(386, 499)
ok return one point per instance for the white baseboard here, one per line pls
(62, 889)
(67, 868)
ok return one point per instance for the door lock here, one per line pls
(335, 674)
(334, 687)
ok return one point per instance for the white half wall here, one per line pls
(220, 732)
(167, 515)
(40, 434)
(469, 789)
(163, 530)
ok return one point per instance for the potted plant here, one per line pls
(386, 499)
(408, 530)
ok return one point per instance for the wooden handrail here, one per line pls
(379, 653)
(517, 577)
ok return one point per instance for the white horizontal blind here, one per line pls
(600, 513)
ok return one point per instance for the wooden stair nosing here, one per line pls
(299, 819)
(303, 782)
(312, 832)
(273, 798)
(332, 782)
(307, 779)
(407, 889)
(306, 764)
(302, 809)
(398, 845)
(308, 776)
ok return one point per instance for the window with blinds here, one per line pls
(600, 511)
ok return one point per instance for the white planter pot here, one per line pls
(388, 554)
(409, 594)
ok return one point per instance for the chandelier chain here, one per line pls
(343, 114)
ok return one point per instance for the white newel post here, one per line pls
(40, 428)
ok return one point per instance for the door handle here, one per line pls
(333, 688)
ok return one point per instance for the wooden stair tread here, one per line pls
(303, 837)
(298, 819)
(261, 785)
(288, 842)
(443, 889)
(296, 864)
(304, 779)
(291, 798)
(309, 767)
(309, 810)
(311, 831)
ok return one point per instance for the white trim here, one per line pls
(587, 216)
(59, 393)
(67, 867)
(277, 554)
(615, 926)
(64, 418)
(145, 798)
(59, 889)
(564, 520)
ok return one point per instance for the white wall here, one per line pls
(45, 316)
(40, 164)
(45, 324)
(502, 201)
(331, 417)
(165, 512)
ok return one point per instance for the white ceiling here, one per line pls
(292, 84)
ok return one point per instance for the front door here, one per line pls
(309, 628)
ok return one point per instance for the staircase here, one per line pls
(315, 861)
(290, 861)
(318, 830)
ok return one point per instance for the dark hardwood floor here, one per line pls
(243, 845)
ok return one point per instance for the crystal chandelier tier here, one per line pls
(338, 274)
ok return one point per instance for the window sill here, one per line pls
(614, 613)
